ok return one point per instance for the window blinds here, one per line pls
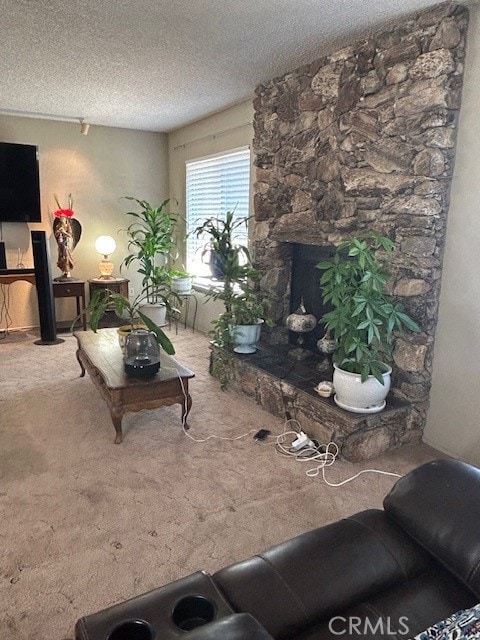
(214, 186)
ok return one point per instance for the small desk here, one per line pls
(9, 276)
(76, 289)
(100, 354)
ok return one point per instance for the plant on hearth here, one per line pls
(364, 317)
(244, 304)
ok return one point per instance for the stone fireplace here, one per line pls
(363, 139)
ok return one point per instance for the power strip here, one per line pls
(301, 442)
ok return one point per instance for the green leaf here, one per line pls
(408, 322)
(162, 338)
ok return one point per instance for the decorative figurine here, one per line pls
(67, 232)
(300, 321)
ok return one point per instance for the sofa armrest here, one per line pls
(438, 505)
(239, 626)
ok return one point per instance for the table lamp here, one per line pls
(105, 245)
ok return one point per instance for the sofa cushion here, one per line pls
(308, 578)
(402, 611)
(238, 626)
(438, 505)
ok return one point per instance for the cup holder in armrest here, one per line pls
(132, 630)
(192, 612)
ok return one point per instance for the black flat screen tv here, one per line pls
(19, 183)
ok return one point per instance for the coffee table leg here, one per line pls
(186, 406)
(117, 423)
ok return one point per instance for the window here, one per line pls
(215, 185)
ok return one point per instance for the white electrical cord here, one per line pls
(324, 455)
(212, 436)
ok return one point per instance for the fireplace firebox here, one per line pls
(305, 285)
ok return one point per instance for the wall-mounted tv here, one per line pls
(19, 183)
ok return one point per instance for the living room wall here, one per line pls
(97, 170)
(226, 130)
(453, 417)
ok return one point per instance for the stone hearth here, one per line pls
(285, 387)
(365, 139)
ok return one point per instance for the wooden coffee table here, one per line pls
(100, 354)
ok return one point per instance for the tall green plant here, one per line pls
(239, 286)
(151, 235)
(364, 317)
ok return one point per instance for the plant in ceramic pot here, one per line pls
(220, 245)
(239, 325)
(181, 281)
(102, 300)
(248, 309)
(151, 244)
(363, 321)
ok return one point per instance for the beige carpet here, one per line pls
(86, 523)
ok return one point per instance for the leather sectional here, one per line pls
(387, 573)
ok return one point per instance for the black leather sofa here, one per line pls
(376, 574)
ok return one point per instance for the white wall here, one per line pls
(229, 129)
(453, 421)
(97, 170)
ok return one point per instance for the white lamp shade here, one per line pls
(105, 245)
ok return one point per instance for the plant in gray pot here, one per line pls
(363, 321)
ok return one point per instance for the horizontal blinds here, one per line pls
(214, 186)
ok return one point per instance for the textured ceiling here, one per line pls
(160, 64)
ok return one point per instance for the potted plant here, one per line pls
(239, 325)
(363, 321)
(181, 281)
(220, 246)
(102, 300)
(150, 244)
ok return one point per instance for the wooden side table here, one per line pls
(75, 289)
(114, 285)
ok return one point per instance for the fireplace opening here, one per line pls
(305, 285)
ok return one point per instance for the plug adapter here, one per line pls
(302, 441)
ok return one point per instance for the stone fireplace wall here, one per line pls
(365, 139)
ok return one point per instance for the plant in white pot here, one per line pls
(182, 281)
(245, 307)
(363, 321)
(244, 315)
(150, 244)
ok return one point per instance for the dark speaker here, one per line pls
(44, 284)
(3, 257)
